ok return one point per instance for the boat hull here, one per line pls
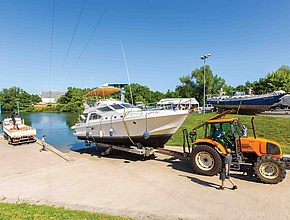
(153, 141)
(129, 130)
(248, 105)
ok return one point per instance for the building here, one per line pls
(184, 103)
(50, 96)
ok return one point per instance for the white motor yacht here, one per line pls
(116, 122)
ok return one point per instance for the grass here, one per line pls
(35, 212)
(273, 128)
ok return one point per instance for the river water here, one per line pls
(56, 127)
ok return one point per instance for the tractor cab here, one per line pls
(225, 131)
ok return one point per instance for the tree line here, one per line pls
(190, 86)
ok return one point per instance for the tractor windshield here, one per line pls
(237, 128)
(223, 133)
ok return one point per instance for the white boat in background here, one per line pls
(115, 122)
(285, 100)
(179, 103)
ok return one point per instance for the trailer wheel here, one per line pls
(9, 140)
(205, 160)
(269, 169)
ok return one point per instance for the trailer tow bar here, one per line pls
(173, 153)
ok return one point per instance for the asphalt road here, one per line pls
(124, 184)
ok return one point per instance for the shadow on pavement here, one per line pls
(114, 154)
(245, 173)
(177, 164)
(202, 182)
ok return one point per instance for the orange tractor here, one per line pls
(220, 133)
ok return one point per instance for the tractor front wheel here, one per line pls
(269, 169)
(205, 160)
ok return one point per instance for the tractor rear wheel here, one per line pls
(205, 160)
(269, 169)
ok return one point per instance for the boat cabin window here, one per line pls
(117, 106)
(105, 109)
(94, 116)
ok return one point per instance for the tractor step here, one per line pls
(235, 166)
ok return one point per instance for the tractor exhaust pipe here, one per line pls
(253, 127)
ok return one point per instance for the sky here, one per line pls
(52, 45)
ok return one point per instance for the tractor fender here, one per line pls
(211, 143)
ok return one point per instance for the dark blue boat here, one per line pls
(246, 104)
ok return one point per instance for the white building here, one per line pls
(50, 96)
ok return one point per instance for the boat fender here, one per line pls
(87, 134)
(111, 132)
(146, 135)
(101, 133)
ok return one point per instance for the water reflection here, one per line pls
(56, 127)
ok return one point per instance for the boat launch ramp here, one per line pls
(124, 184)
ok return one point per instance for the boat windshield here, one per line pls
(113, 107)
(117, 106)
(94, 116)
(105, 109)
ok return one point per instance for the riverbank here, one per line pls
(124, 184)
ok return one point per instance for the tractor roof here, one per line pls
(223, 120)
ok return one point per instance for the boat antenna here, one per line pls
(93, 85)
(127, 71)
(92, 81)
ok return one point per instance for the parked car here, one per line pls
(207, 107)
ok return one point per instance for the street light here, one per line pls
(204, 58)
(17, 106)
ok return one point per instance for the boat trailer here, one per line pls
(148, 152)
(139, 149)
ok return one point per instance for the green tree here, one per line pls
(13, 97)
(193, 85)
(218, 84)
(241, 88)
(277, 80)
(187, 89)
(72, 100)
(142, 94)
(228, 89)
(35, 98)
(171, 94)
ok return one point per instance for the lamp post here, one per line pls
(18, 106)
(204, 58)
